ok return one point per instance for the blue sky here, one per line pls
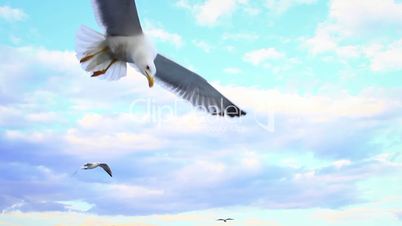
(321, 144)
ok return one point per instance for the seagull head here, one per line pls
(86, 166)
(144, 55)
(148, 69)
(146, 66)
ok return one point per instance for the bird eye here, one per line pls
(148, 67)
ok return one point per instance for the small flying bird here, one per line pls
(106, 56)
(225, 220)
(104, 166)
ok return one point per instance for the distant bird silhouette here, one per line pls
(225, 220)
(104, 166)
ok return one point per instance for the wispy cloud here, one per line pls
(259, 56)
(12, 14)
(165, 36)
(241, 36)
(203, 45)
(385, 58)
(210, 12)
(232, 70)
(280, 6)
(346, 23)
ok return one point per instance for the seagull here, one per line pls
(104, 166)
(124, 42)
(225, 220)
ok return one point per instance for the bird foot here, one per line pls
(90, 56)
(98, 73)
(102, 72)
(86, 58)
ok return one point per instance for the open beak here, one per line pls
(150, 78)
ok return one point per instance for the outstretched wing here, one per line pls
(120, 17)
(194, 88)
(229, 219)
(220, 220)
(106, 168)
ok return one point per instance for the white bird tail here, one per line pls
(95, 56)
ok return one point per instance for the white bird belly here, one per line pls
(92, 166)
(128, 48)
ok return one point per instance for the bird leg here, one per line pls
(101, 72)
(90, 56)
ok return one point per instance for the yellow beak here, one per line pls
(150, 78)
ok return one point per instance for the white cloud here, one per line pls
(184, 4)
(77, 205)
(281, 6)
(8, 114)
(322, 41)
(348, 51)
(34, 137)
(252, 11)
(202, 173)
(43, 117)
(315, 107)
(363, 20)
(385, 59)
(210, 12)
(230, 48)
(371, 213)
(194, 218)
(342, 163)
(203, 45)
(163, 35)
(232, 70)
(12, 14)
(355, 16)
(86, 143)
(240, 36)
(127, 191)
(258, 57)
(382, 58)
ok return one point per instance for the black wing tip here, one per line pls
(106, 168)
(232, 112)
(241, 113)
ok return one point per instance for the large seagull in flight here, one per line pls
(106, 56)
